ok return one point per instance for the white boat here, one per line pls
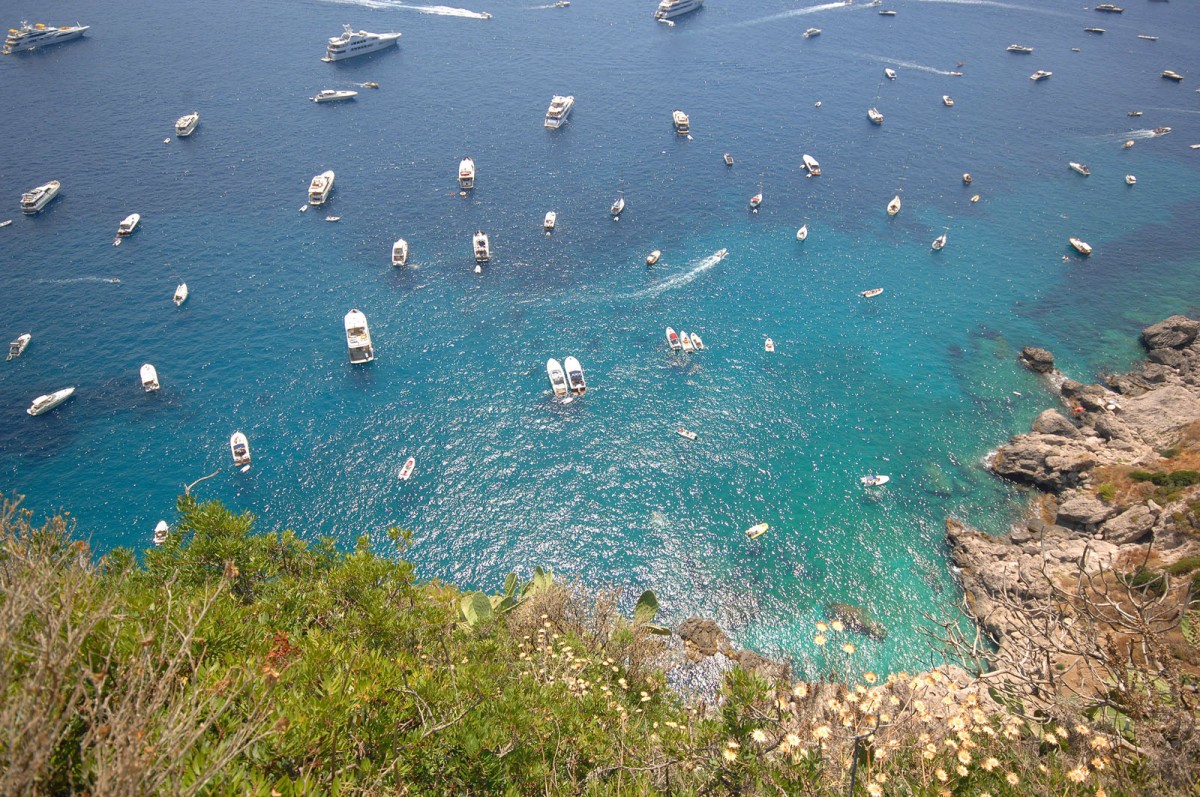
(559, 111)
(966, 178)
(1017, 48)
(399, 252)
(558, 380)
(802, 233)
(756, 200)
(889, 73)
(1134, 113)
(875, 116)
(893, 207)
(186, 125)
(1160, 131)
(875, 480)
(1147, 38)
(34, 200)
(1130, 180)
(811, 166)
(31, 37)
(769, 346)
(128, 224)
(332, 95)
(686, 434)
(50, 401)
(617, 208)
(562, 4)
(939, 242)
(669, 9)
(808, 34)
(1041, 74)
(549, 222)
(1079, 168)
(406, 470)
(181, 294)
(466, 174)
(354, 43)
(887, 13)
(575, 376)
(161, 532)
(697, 342)
(680, 120)
(5, 223)
(333, 218)
(1080, 246)
(1169, 75)
(1109, 7)
(239, 447)
(673, 340)
(949, 103)
(685, 341)
(149, 378)
(871, 293)
(756, 531)
(1093, 30)
(319, 188)
(728, 159)
(653, 257)
(17, 347)
(483, 250)
(358, 337)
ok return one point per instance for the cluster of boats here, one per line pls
(682, 341)
(566, 383)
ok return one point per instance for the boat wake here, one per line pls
(441, 11)
(679, 280)
(77, 280)
(905, 64)
(995, 4)
(795, 12)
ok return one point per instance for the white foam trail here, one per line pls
(988, 3)
(906, 64)
(679, 280)
(441, 11)
(74, 280)
(795, 12)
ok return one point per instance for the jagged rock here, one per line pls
(1052, 422)
(1050, 462)
(703, 638)
(1130, 526)
(767, 669)
(1083, 510)
(1171, 333)
(1172, 358)
(1159, 416)
(1128, 384)
(1037, 360)
(856, 619)
(1155, 374)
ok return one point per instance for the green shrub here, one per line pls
(1185, 565)
(1106, 492)
(1145, 580)
(1178, 478)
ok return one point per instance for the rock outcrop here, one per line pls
(1037, 360)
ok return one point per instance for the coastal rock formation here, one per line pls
(1047, 461)
(856, 619)
(706, 645)
(1037, 360)
(1171, 333)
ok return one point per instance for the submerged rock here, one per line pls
(856, 619)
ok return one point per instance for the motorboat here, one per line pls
(680, 120)
(697, 342)
(685, 340)
(808, 34)
(562, 4)
(319, 188)
(1082, 247)
(128, 224)
(811, 166)
(686, 434)
(186, 125)
(17, 347)
(871, 293)
(34, 200)
(887, 13)
(728, 159)
(5, 223)
(1110, 8)
(332, 95)
(756, 200)
(1079, 168)
(399, 252)
(358, 337)
(1041, 74)
(653, 257)
(1169, 75)
(481, 247)
(1160, 131)
(575, 381)
(333, 218)
(1130, 180)
(161, 532)
(939, 242)
(893, 207)
(1093, 30)
(149, 378)
(559, 111)
(181, 294)
(1193, 146)
(370, 85)
(875, 116)
(757, 530)
(466, 174)
(239, 447)
(769, 346)
(549, 222)
(1134, 113)
(802, 233)
(1017, 48)
(1128, 144)
(889, 73)
(31, 37)
(1147, 38)
(669, 9)
(949, 103)
(975, 198)
(352, 43)
(874, 480)
(406, 470)
(558, 380)
(673, 340)
(966, 178)
(50, 401)
(617, 208)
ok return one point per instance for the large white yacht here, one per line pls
(669, 9)
(680, 120)
(30, 37)
(33, 201)
(186, 125)
(333, 95)
(128, 225)
(358, 338)
(352, 43)
(483, 250)
(319, 188)
(399, 252)
(559, 110)
(466, 174)
(50, 401)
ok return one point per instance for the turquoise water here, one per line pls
(919, 383)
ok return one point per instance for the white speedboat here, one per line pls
(1145, 37)
(575, 376)
(697, 342)
(893, 207)
(680, 120)
(875, 480)
(1017, 48)
(466, 174)
(181, 294)
(673, 340)
(5, 223)
(802, 233)
(1128, 144)
(149, 378)
(186, 125)
(889, 73)
(1160, 131)
(756, 200)
(483, 250)
(1079, 168)
(1169, 75)
(686, 434)
(558, 380)
(50, 401)
(399, 252)
(769, 346)
(354, 43)
(31, 37)
(808, 34)
(811, 166)
(1110, 8)
(1134, 113)
(239, 447)
(1130, 180)
(319, 188)
(875, 116)
(728, 159)
(407, 470)
(618, 207)
(949, 103)
(939, 242)
(1094, 30)
(669, 9)
(161, 532)
(756, 531)
(333, 218)
(33, 201)
(549, 222)
(358, 337)
(871, 293)
(653, 257)
(1080, 246)
(559, 111)
(17, 347)
(332, 95)
(685, 341)
(1041, 74)
(128, 224)
(887, 12)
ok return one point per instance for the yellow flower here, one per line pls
(874, 789)
(822, 627)
(758, 735)
(1078, 774)
(961, 770)
(1097, 764)
(1012, 779)
(940, 774)
(792, 739)
(800, 690)
(990, 764)
(1099, 743)
(1061, 731)
(837, 626)
(848, 647)
(870, 677)
(730, 755)
(821, 733)
(1100, 792)
(1082, 730)
(819, 640)
(964, 757)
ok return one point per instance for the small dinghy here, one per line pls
(686, 341)
(769, 346)
(975, 198)
(802, 233)
(673, 340)
(653, 257)
(871, 294)
(181, 294)
(1128, 144)
(684, 433)
(160, 532)
(949, 103)
(149, 378)
(406, 471)
(875, 480)
(1130, 180)
(697, 342)
(889, 73)
(558, 379)
(17, 347)
(5, 223)
(756, 531)
(239, 446)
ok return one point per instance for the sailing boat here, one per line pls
(940, 241)
(618, 206)
(893, 207)
(802, 233)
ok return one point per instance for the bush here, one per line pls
(1185, 565)
(1106, 492)
(1176, 479)
(1147, 580)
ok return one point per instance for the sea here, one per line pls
(918, 383)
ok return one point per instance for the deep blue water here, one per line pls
(919, 383)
